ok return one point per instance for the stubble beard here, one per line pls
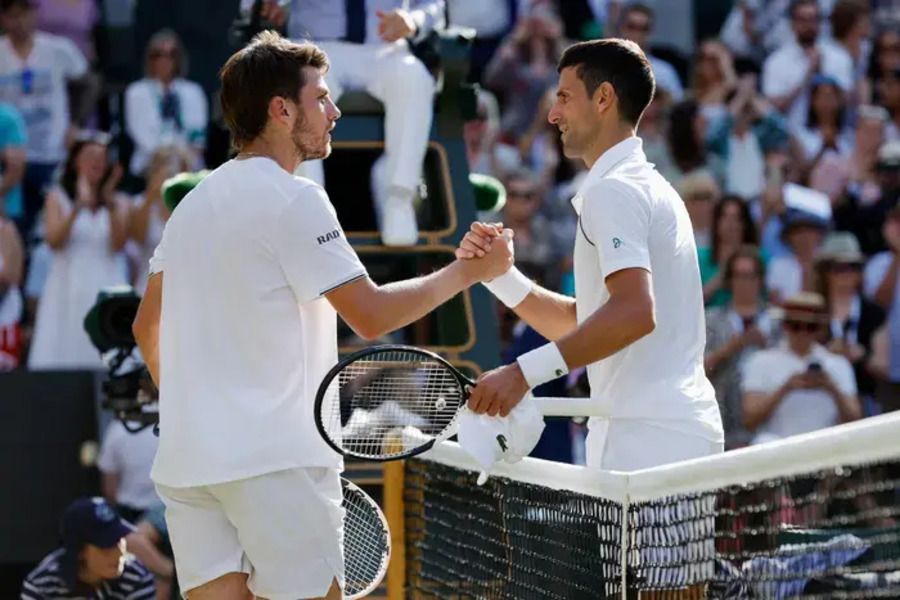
(307, 145)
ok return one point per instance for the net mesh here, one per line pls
(793, 520)
(389, 402)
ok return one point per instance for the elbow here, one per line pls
(644, 321)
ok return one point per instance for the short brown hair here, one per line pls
(268, 67)
(845, 15)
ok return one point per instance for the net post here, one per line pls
(393, 512)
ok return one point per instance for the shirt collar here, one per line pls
(627, 148)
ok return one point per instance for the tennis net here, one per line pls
(815, 516)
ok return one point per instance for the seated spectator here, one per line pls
(798, 386)
(653, 133)
(524, 68)
(794, 272)
(851, 28)
(732, 229)
(884, 58)
(734, 331)
(151, 545)
(743, 136)
(889, 98)
(788, 72)
(853, 317)
(35, 69)
(714, 78)
(686, 131)
(701, 195)
(12, 265)
(480, 135)
(754, 29)
(882, 285)
(93, 561)
(636, 24)
(86, 227)
(124, 462)
(148, 214)
(12, 161)
(164, 108)
(826, 128)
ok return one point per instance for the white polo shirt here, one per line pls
(630, 217)
(245, 333)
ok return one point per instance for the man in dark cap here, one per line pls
(92, 563)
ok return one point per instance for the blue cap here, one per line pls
(93, 521)
(822, 79)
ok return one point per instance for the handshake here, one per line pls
(486, 251)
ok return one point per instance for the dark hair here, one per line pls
(638, 7)
(687, 151)
(68, 181)
(748, 233)
(270, 66)
(746, 251)
(845, 15)
(795, 4)
(618, 62)
(812, 120)
(6, 5)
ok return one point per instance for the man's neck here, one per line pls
(800, 351)
(23, 46)
(745, 307)
(282, 152)
(605, 141)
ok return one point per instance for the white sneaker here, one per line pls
(398, 224)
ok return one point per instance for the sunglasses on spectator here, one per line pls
(845, 267)
(645, 27)
(745, 276)
(163, 53)
(524, 194)
(802, 326)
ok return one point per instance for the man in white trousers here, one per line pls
(367, 42)
(637, 320)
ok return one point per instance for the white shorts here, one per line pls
(284, 529)
(630, 445)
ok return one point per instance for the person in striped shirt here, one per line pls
(93, 563)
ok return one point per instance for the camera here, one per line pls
(128, 391)
(814, 367)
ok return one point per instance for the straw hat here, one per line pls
(807, 307)
(841, 247)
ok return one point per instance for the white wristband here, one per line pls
(542, 365)
(511, 288)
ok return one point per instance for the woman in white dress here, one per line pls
(148, 214)
(86, 227)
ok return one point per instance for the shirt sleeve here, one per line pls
(312, 248)
(72, 61)
(875, 273)
(615, 218)
(843, 376)
(774, 81)
(158, 260)
(756, 376)
(30, 591)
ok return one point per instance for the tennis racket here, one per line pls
(389, 402)
(367, 542)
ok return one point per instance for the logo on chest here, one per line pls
(331, 235)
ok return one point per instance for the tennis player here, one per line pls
(637, 320)
(238, 328)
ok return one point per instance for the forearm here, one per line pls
(550, 314)
(152, 558)
(884, 295)
(109, 483)
(12, 176)
(148, 344)
(400, 303)
(758, 407)
(848, 405)
(118, 227)
(139, 221)
(58, 236)
(614, 326)
(715, 358)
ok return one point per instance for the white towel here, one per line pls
(490, 439)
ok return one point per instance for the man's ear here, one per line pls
(604, 97)
(279, 109)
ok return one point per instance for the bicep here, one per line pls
(632, 285)
(355, 301)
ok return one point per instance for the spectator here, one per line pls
(742, 137)
(889, 98)
(853, 317)
(851, 28)
(524, 68)
(480, 135)
(151, 545)
(72, 19)
(791, 273)
(862, 214)
(788, 72)
(798, 386)
(756, 28)
(701, 194)
(124, 462)
(653, 133)
(882, 285)
(636, 24)
(368, 47)
(86, 226)
(12, 265)
(35, 68)
(148, 214)
(734, 331)
(826, 128)
(713, 79)
(93, 561)
(164, 108)
(885, 58)
(733, 228)
(686, 135)
(12, 161)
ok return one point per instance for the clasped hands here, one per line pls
(498, 391)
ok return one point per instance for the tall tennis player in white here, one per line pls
(637, 319)
(238, 327)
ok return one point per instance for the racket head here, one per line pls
(367, 542)
(389, 402)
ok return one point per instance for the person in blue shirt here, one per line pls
(12, 161)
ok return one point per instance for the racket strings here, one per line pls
(366, 543)
(387, 402)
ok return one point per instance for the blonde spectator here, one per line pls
(700, 193)
(164, 108)
(86, 227)
(732, 229)
(148, 214)
(713, 78)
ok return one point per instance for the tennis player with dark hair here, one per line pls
(238, 327)
(637, 320)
